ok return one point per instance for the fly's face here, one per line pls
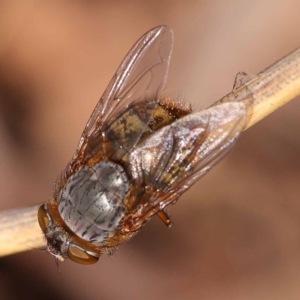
(138, 153)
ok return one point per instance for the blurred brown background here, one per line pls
(236, 233)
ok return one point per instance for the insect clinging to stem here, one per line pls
(138, 153)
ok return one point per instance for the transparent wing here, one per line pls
(128, 102)
(175, 157)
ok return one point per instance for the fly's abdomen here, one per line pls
(92, 201)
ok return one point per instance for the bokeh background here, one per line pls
(236, 233)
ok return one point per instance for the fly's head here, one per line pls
(61, 243)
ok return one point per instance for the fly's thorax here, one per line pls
(92, 201)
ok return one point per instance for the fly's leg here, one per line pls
(242, 78)
(165, 218)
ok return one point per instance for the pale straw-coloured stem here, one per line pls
(270, 89)
(20, 231)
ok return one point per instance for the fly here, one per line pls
(138, 153)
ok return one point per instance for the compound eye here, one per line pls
(43, 218)
(82, 256)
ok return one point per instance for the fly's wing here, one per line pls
(175, 157)
(125, 109)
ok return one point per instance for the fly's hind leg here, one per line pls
(165, 218)
(242, 78)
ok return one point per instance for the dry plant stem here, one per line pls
(20, 231)
(270, 89)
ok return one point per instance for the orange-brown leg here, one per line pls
(165, 218)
